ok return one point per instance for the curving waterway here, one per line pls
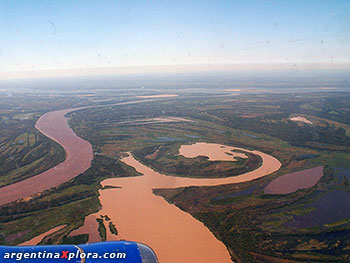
(142, 216)
(79, 154)
(137, 213)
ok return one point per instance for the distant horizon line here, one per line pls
(178, 68)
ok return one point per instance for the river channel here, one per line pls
(137, 213)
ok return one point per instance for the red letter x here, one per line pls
(64, 254)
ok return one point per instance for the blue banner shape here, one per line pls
(102, 252)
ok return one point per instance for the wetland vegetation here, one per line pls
(253, 225)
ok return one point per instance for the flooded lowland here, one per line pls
(214, 152)
(132, 208)
(327, 209)
(142, 216)
(292, 182)
(301, 119)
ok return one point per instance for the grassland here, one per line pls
(24, 152)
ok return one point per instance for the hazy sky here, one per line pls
(42, 35)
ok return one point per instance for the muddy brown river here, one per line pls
(78, 152)
(142, 216)
(137, 213)
(78, 159)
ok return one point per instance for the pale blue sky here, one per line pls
(42, 35)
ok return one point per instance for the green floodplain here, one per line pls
(308, 225)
